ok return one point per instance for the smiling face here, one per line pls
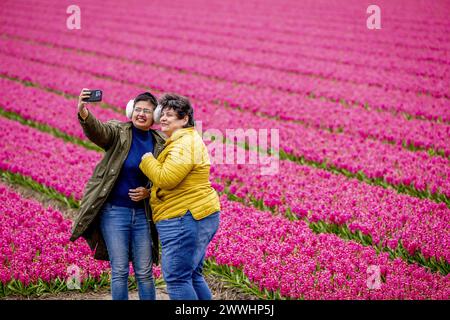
(142, 117)
(170, 122)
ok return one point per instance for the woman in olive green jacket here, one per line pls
(114, 217)
(185, 206)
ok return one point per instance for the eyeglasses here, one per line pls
(146, 111)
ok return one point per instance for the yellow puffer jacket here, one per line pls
(180, 177)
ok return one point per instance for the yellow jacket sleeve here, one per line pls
(176, 166)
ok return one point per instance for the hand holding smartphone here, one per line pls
(86, 96)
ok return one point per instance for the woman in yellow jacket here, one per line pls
(185, 207)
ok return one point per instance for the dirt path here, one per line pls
(218, 288)
(161, 294)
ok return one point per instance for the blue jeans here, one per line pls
(127, 236)
(184, 241)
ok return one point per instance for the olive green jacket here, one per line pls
(115, 138)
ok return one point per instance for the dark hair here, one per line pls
(146, 96)
(181, 105)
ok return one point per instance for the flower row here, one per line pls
(288, 257)
(274, 253)
(311, 112)
(219, 73)
(34, 243)
(389, 218)
(376, 160)
(307, 32)
(48, 108)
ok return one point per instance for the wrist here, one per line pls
(84, 113)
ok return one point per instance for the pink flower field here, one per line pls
(362, 178)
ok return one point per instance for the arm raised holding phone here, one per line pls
(102, 134)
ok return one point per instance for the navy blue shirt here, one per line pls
(130, 176)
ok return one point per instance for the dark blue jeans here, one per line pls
(184, 241)
(127, 236)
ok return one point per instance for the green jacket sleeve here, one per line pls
(102, 134)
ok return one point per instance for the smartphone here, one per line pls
(96, 96)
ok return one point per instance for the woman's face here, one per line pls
(142, 117)
(170, 122)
